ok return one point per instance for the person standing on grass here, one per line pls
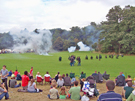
(4, 75)
(15, 73)
(79, 61)
(31, 73)
(110, 95)
(74, 92)
(4, 92)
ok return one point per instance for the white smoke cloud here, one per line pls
(24, 40)
(83, 47)
(71, 49)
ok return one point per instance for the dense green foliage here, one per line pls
(119, 31)
(50, 63)
(88, 35)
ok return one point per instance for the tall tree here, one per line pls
(58, 44)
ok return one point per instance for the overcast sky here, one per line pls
(48, 14)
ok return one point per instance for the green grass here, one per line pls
(42, 64)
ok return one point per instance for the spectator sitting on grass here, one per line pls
(63, 76)
(60, 81)
(72, 81)
(128, 79)
(53, 82)
(38, 75)
(32, 87)
(74, 92)
(110, 95)
(126, 91)
(100, 77)
(47, 74)
(15, 73)
(120, 80)
(104, 73)
(57, 76)
(132, 96)
(85, 97)
(53, 92)
(18, 76)
(63, 93)
(25, 80)
(10, 73)
(94, 73)
(13, 83)
(67, 81)
(4, 92)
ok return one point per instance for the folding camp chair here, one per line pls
(72, 75)
(106, 76)
(96, 78)
(47, 79)
(39, 80)
(83, 75)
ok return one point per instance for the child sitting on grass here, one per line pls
(53, 82)
(53, 92)
(63, 93)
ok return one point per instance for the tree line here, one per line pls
(116, 34)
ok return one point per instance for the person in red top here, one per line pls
(25, 80)
(16, 72)
(31, 73)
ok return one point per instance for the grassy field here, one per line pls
(42, 63)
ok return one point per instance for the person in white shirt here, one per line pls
(47, 74)
(60, 81)
(38, 75)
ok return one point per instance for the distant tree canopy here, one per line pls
(88, 35)
(119, 31)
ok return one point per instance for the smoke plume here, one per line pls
(83, 47)
(24, 40)
(71, 49)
